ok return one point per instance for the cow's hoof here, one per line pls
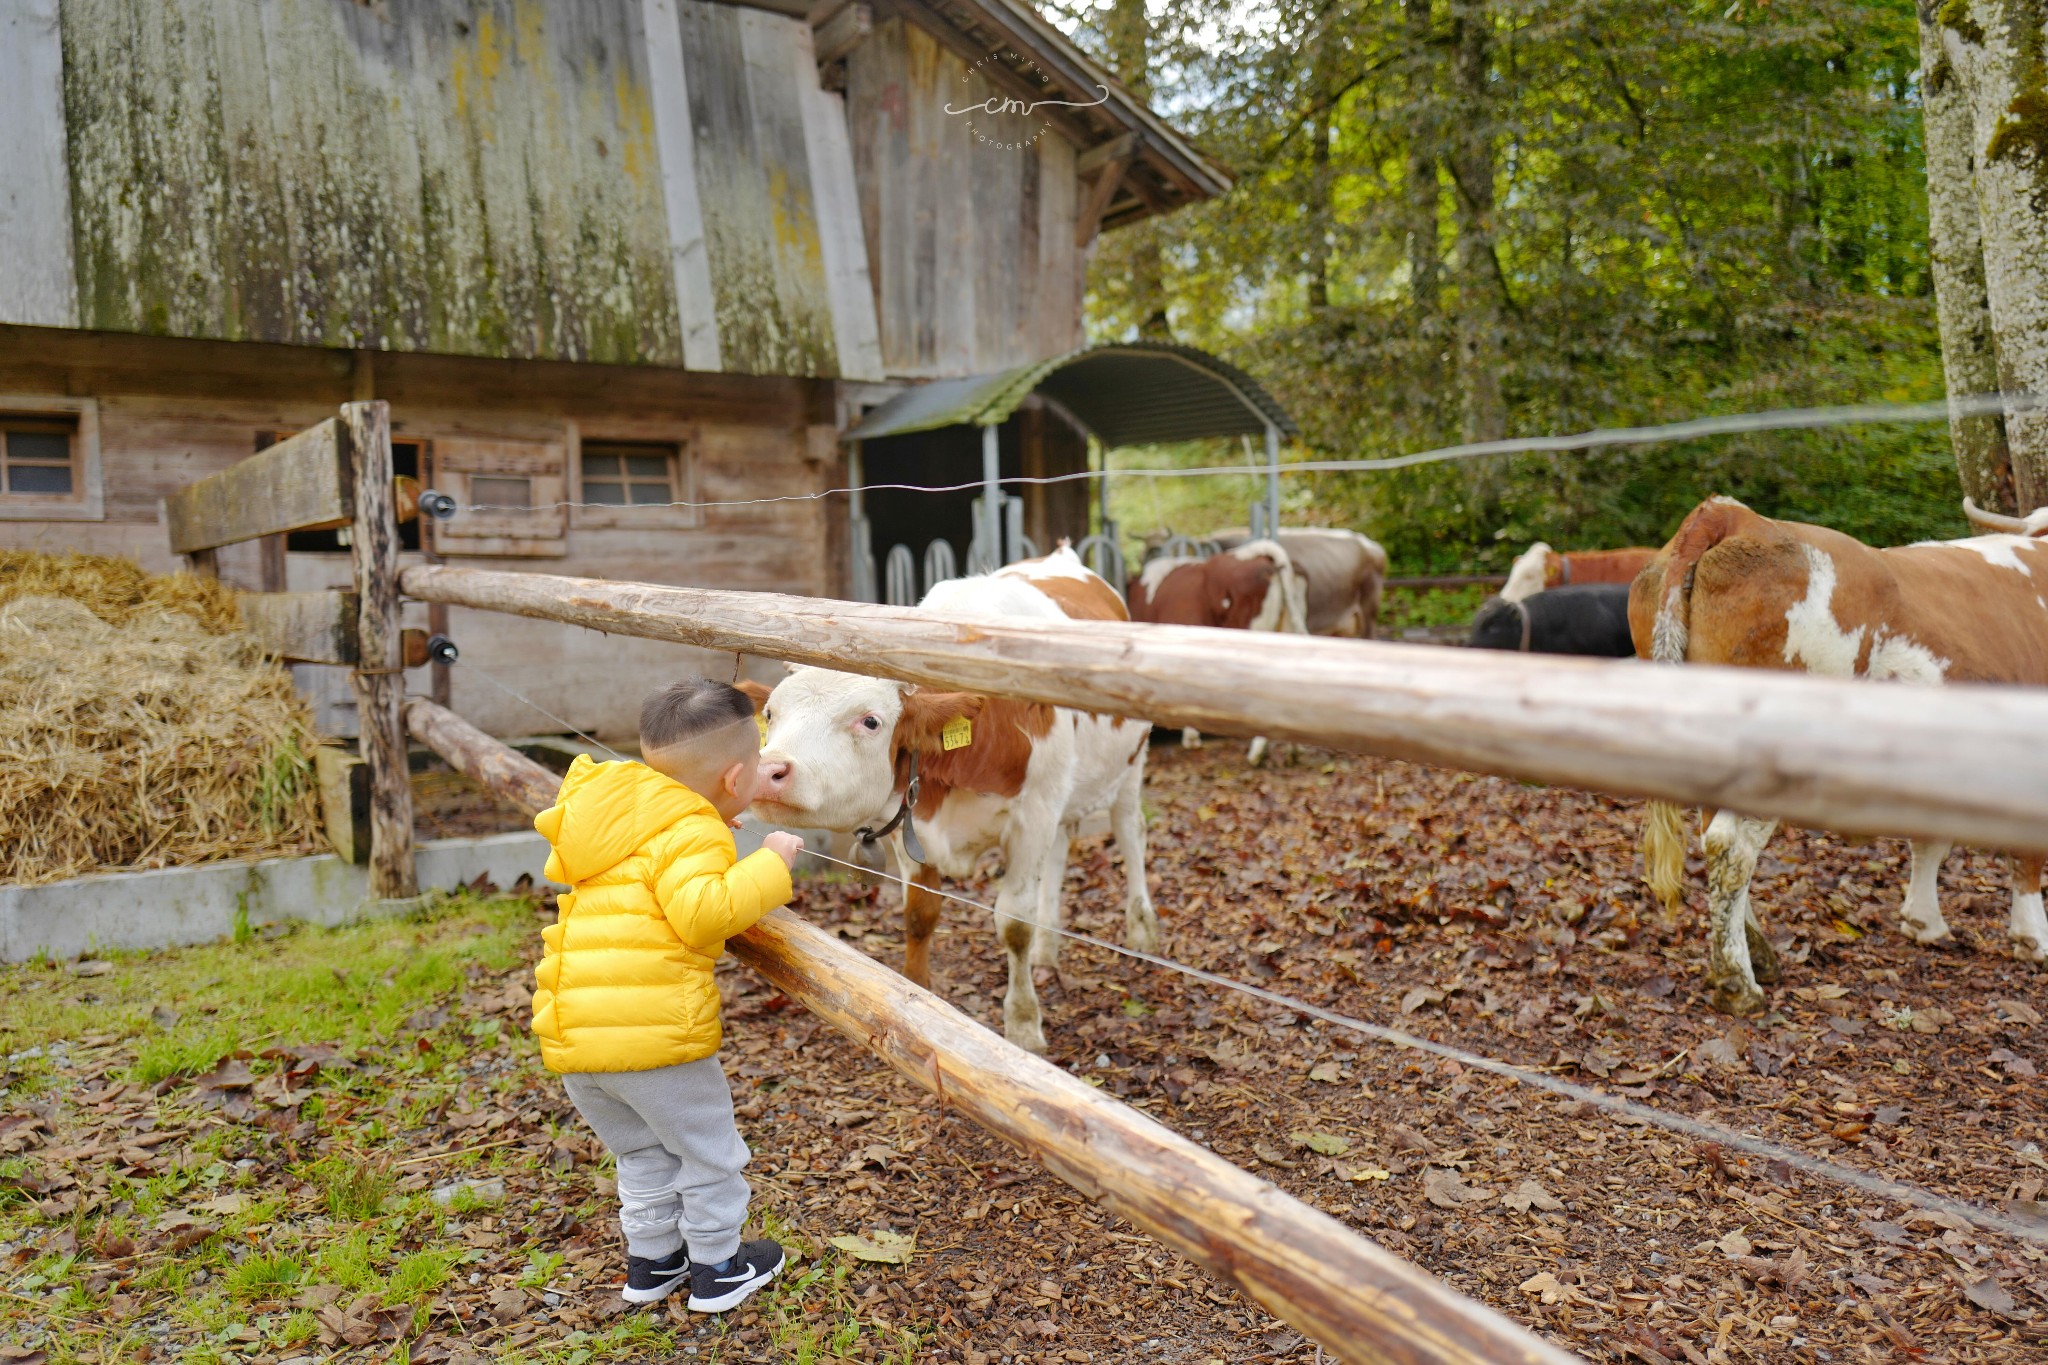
(1921, 932)
(2029, 949)
(1031, 1038)
(1142, 936)
(1257, 754)
(1736, 997)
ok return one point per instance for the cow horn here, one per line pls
(1993, 521)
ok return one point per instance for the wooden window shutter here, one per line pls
(511, 494)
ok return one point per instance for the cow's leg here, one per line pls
(2029, 928)
(1127, 821)
(1257, 753)
(1190, 738)
(1052, 882)
(1024, 858)
(1734, 843)
(921, 906)
(1920, 912)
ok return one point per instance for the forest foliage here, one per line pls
(1460, 219)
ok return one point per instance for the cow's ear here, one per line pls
(756, 692)
(927, 714)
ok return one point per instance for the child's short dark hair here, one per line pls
(691, 708)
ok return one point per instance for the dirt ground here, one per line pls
(1496, 915)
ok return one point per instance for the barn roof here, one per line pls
(1141, 393)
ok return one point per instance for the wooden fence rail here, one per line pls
(1831, 753)
(1343, 1290)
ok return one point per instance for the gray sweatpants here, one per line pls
(679, 1156)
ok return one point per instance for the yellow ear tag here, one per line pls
(762, 721)
(958, 734)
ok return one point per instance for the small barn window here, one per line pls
(636, 475)
(501, 494)
(636, 484)
(38, 457)
(407, 458)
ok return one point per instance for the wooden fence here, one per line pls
(1832, 753)
(1847, 755)
(335, 474)
(1823, 751)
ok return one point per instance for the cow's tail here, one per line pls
(1670, 639)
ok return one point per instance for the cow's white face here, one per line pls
(829, 758)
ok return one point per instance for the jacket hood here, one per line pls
(605, 812)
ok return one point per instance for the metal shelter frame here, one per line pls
(1136, 393)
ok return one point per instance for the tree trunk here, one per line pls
(1997, 46)
(1969, 355)
(1129, 30)
(1420, 193)
(1479, 297)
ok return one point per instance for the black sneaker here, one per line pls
(652, 1281)
(715, 1288)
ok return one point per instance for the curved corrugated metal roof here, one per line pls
(1141, 393)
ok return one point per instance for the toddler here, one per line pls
(626, 1008)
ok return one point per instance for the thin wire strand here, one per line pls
(1782, 419)
(1699, 1130)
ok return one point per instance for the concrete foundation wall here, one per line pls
(184, 905)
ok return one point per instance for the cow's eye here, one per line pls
(871, 723)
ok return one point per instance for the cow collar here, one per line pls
(869, 835)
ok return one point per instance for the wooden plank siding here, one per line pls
(619, 181)
(174, 411)
(969, 218)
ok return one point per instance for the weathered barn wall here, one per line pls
(172, 411)
(35, 199)
(968, 218)
(622, 181)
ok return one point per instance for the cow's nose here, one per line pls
(775, 774)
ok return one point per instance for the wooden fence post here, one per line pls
(379, 676)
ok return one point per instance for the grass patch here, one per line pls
(187, 1007)
(263, 1277)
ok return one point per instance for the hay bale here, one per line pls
(115, 589)
(139, 726)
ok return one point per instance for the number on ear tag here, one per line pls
(958, 734)
(762, 722)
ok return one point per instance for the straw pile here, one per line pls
(139, 726)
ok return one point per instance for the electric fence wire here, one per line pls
(1782, 419)
(1699, 1130)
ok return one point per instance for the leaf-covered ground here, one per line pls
(341, 1143)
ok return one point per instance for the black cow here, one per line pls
(1587, 619)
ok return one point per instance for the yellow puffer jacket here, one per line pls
(625, 984)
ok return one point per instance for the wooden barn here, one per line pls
(601, 259)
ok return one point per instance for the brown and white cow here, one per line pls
(1733, 587)
(1539, 568)
(1253, 587)
(841, 752)
(1342, 573)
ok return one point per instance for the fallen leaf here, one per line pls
(1271, 1155)
(1528, 1195)
(1720, 1051)
(1445, 1190)
(881, 1246)
(1358, 1173)
(91, 968)
(2015, 1012)
(1990, 1295)
(1329, 1073)
(1327, 1144)
(1420, 996)
(1735, 1244)
(226, 1204)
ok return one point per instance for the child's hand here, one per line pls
(785, 846)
